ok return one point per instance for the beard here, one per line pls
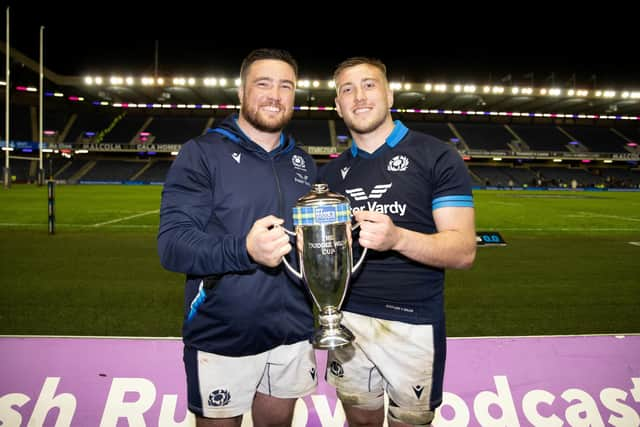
(361, 128)
(264, 124)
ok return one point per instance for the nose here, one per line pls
(360, 94)
(275, 93)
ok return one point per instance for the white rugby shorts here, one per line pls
(223, 387)
(405, 360)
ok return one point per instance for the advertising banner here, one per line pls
(528, 381)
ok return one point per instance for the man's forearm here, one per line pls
(445, 249)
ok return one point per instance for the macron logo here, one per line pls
(344, 171)
(236, 157)
(377, 192)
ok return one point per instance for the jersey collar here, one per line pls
(397, 134)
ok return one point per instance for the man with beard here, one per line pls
(246, 323)
(411, 194)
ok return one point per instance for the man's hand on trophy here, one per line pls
(377, 231)
(266, 243)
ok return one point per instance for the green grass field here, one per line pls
(570, 266)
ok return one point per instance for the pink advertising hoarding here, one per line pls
(539, 381)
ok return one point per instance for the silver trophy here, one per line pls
(323, 229)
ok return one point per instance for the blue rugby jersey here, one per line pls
(216, 188)
(407, 178)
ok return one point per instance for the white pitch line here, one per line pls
(125, 218)
(624, 218)
(58, 224)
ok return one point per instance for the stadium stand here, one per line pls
(485, 136)
(125, 130)
(112, 170)
(156, 172)
(70, 170)
(310, 132)
(175, 130)
(87, 128)
(119, 141)
(597, 139)
(441, 131)
(542, 137)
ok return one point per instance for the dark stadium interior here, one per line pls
(509, 137)
(542, 330)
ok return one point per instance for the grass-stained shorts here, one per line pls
(405, 360)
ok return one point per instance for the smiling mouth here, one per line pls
(362, 110)
(271, 108)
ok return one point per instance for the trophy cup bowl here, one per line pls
(323, 223)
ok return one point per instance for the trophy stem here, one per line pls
(331, 333)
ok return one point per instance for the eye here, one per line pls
(263, 83)
(346, 89)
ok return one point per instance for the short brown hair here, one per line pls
(360, 60)
(259, 54)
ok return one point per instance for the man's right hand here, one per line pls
(267, 244)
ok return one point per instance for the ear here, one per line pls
(338, 109)
(390, 96)
(240, 93)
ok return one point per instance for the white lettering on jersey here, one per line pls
(358, 194)
(395, 208)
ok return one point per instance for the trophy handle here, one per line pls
(298, 274)
(284, 259)
(364, 253)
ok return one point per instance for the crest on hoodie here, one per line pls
(298, 162)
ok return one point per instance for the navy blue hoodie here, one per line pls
(217, 187)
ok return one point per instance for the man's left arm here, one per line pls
(452, 246)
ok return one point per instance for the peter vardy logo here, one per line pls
(358, 194)
(377, 192)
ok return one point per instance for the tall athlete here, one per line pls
(411, 193)
(246, 323)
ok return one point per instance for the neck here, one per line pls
(373, 140)
(267, 140)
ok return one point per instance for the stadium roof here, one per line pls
(431, 96)
(485, 77)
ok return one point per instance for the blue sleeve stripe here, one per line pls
(452, 201)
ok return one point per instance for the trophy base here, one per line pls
(330, 339)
